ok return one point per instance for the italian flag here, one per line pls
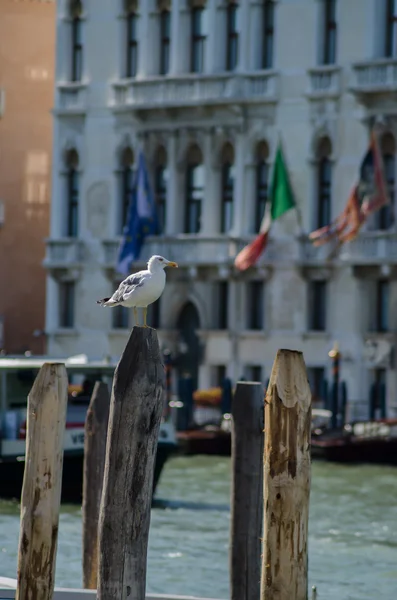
(281, 199)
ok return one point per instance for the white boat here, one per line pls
(16, 378)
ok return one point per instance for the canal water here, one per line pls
(352, 543)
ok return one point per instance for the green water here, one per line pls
(352, 545)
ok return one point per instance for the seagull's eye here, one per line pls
(161, 259)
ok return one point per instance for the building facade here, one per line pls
(206, 88)
(27, 43)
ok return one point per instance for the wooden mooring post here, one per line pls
(286, 480)
(42, 481)
(96, 428)
(247, 491)
(135, 414)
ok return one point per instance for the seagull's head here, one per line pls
(157, 263)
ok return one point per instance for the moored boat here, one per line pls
(16, 377)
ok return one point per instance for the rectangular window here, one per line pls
(232, 37)
(195, 191)
(385, 216)
(73, 203)
(255, 305)
(324, 193)
(227, 198)
(382, 306)
(198, 40)
(316, 377)
(132, 45)
(161, 177)
(77, 50)
(165, 41)
(391, 29)
(261, 193)
(120, 317)
(317, 306)
(254, 373)
(223, 301)
(66, 304)
(127, 185)
(329, 33)
(268, 34)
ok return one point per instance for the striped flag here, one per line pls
(367, 196)
(281, 199)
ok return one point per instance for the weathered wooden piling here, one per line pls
(42, 481)
(96, 427)
(286, 480)
(247, 491)
(134, 421)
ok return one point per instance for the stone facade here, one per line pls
(206, 89)
(27, 43)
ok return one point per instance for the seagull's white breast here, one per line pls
(151, 289)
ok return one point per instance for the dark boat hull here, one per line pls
(11, 474)
(378, 451)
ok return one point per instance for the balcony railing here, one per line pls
(375, 77)
(71, 97)
(314, 255)
(195, 89)
(371, 248)
(187, 250)
(63, 253)
(324, 82)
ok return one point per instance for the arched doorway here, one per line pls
(189, 344)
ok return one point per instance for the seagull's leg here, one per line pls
(135, 316)
(144, 316)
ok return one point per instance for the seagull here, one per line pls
(141, 289)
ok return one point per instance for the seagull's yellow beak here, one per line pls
(172, 264)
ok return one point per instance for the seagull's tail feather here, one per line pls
(106, 302)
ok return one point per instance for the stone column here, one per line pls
(244, 37)
(57, 187)
(144, 48)
(239, 187)
(174, 197)
(210, 208)
(249, 199)
(175, 37)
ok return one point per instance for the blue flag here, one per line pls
(141, 219)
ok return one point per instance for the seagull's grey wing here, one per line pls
(127, 286)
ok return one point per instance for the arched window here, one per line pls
(165, 35)
(268, 34)
(160, 187)
(73, 192)
(126, 185)
(324, 183)
(76, 10)
(385, 216)
(198, 36)
(262, 178)
(232, 35)
(131, 21)
(227, 188)
(195, 179)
